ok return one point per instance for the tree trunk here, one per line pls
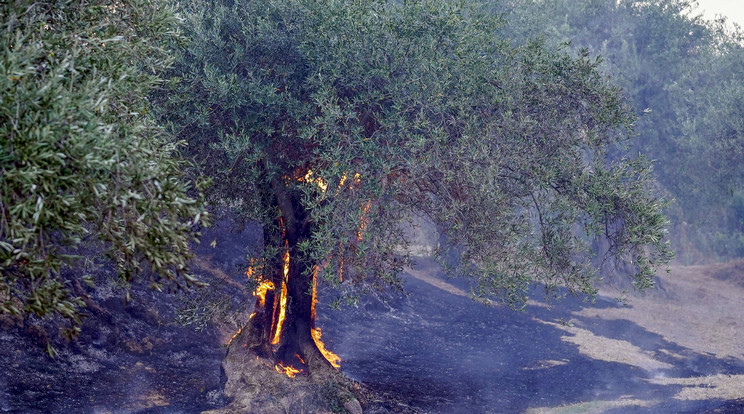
(296, 343)
(281, 328)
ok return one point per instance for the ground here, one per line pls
(431, 350)
(674, 350)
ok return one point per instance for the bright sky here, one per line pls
(733, 9)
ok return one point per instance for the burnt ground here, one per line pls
(432, 350)
(157, 353)
(437, 351)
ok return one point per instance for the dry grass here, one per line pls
(592, 407)
(725, 387)
(607, 349)
(701, 313)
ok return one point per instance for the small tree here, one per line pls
(333, 122)
(80, 156)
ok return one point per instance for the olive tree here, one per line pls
(83, 167)
(333, 122)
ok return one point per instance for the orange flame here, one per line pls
(282, 302)
(315, 294)
(357, 180)
(308, 178)
(363, 221)
(253, 268)
(332, 358)
(287, 370)
(341, 269)
(286, 264)
(261, 290)
(236, 334)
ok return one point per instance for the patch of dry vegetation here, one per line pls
(592, 407)
(701, 312)
(607, 349)
(725, 387)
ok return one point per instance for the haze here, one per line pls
(734, 10)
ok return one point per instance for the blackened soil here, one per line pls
(436, 352)
(429, 351)
(158, 353)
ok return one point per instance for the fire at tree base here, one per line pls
(254, 384)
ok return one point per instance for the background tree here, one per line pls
(81, 159)
(332, 123)
(682, 74)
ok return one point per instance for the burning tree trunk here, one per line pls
(282, 327)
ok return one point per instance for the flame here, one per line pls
(308, 178)
(363, 220)
(236, 334)
(253, 273)
(341, 270)
(315, 294)
(286, 264)
(332, 358)
(261, 290)
(357, 180)
(300, 358)
(254, 268)
(282, 301)
(287, 370)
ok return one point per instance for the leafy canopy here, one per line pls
(354, 116)
(684, 76)
(80, 157)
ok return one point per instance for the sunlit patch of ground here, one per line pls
(697, 312)
(438, 283)
(607, 349)
(593, 407)
(701, 313)
(725, 387)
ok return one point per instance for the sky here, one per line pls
(733, 9)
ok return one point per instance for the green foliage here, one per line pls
(82, 160)
(412, 107)
(683, 75)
